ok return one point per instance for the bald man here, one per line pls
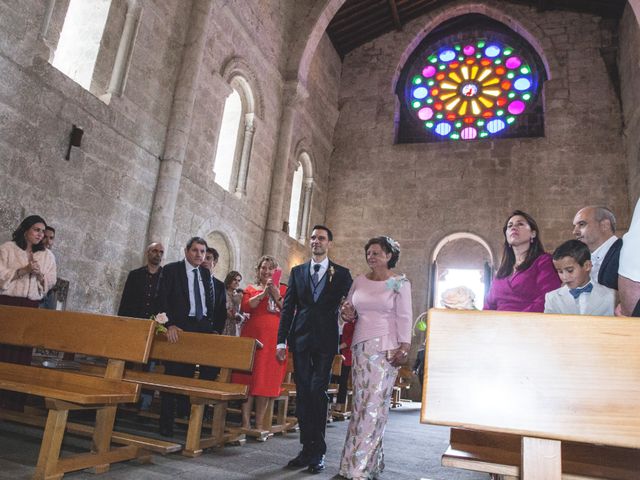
(141, 288)
(596, 226)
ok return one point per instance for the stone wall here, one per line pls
(252, 33)
(420, 193)
(99, 201)
(629, 66)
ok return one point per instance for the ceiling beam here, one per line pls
(394, 14)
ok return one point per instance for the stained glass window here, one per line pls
(472, 84)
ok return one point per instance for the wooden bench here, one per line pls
(539, 396)
(226, 352)
(115, 338)
(403, 382)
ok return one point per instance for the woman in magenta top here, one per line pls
(526, 272)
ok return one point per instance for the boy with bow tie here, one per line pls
(578, 294)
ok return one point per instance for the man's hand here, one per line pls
(281, 354)
(173, 333)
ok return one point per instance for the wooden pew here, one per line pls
(228, 353)
(115, 338)
(540, 396)
(403, 382)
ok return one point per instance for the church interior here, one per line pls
(125, 122)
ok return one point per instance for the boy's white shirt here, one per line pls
(600, 301)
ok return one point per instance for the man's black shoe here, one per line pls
(301, 461)
(316, 466)
(166, 430)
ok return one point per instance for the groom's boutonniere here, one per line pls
(331, 273)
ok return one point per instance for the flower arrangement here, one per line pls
(161, 319)
(332, 271)
(396, 283)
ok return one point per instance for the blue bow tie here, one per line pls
(575, 292)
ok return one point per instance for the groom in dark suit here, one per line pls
(186, 295)
(309, 326)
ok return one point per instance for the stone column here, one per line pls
(293, 97)
(247, 144)
(44, 50)
(307, 190)
(121, 64)
(166, 195)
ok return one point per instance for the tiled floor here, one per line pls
(412, 451)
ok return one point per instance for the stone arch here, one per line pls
(458, 236)
(315, 23)
(227, 248)
(530, 33)
(635, 5)
(308, 162)
(237, 72)
(240, 78)
(302, 210)
(466, 253)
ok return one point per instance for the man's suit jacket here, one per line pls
(132, 301)
(608, 274)
(219, 304)
(601, 301)
(173, 299)
(305, 324)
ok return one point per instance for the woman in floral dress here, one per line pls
(380, 304)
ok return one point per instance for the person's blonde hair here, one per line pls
(261, 260)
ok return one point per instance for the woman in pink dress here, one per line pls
(262, 301)
(526, 272)
(380, 304)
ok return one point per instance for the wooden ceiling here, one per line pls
(360, 21)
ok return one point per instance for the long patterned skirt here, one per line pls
(373, 379)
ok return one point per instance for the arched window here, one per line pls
(300, 206)
(461, 259)
(91, 42)
(80, 39)
(225, 264)
(471, 78)
(228, 140)
(235, 139)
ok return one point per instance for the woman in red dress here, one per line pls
(262, 302)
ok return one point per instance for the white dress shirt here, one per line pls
(597, 256)
(192, 296)
(630, 253)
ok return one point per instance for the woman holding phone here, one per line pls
(263, 301)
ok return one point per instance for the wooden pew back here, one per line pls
(77, 332)
(562, 377)
(222, 351)
(114, 338)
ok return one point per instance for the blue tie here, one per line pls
(196, 294)
(576, 292)
(315, 278)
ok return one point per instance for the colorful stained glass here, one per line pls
(472, 90)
